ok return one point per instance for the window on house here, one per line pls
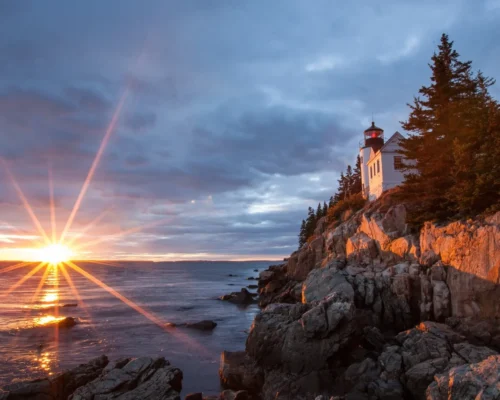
(378, 166)
(398, 162)
(371, 174)
(361, 160)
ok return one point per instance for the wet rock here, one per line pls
(67, 322)
(241, 297)
(255, 270)
(140, 378)
(70, 305)
(252, 286)
(230, 395)
(205, 325)
(251, 278)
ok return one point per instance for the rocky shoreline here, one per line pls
(367, 309)
(370, 310)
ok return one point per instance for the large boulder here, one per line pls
(323, 281)
(480, 381)
(242, 297)
(238, 372)
(301, 338)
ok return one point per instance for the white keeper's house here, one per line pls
(380, 162)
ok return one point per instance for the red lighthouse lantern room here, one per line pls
(374, 137)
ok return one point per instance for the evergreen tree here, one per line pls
(325, 209)
(356, 177)
(476, 154)
(448, 126)
(302, 234)
(349, 180)
(319, 212)
(341, 189)
(310, 223)
(331, 202)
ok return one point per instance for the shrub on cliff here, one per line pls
(354, 203)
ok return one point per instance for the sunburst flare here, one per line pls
(57, 254)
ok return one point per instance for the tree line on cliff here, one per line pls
(348, 191)
(452, 152)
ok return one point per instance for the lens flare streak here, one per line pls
(119, 296)
(25, 278)
(95, 163)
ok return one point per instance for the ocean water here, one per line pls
(168, 292)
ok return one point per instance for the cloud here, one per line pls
(240, 115)
(326, 63)
(410, 45)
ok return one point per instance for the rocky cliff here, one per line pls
(370, 309)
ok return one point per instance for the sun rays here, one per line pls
(56, 253)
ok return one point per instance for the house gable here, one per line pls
(392, 145)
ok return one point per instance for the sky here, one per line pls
(226, 120)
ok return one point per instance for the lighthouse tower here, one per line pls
(373, 141)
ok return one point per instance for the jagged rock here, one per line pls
(361, 248)
(372, 227)
(425, 297)
(392, 362)
(440, 300)
(302, 262)
(320, 226)
(323, 281)
(472, 252)
(404, 248)
(237, 371)
(480, 381)
(336, 239)
(300, 338)
(471, 353)
(432, 348)
(140, 378)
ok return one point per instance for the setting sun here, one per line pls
(55, 254)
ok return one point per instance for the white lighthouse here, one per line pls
(380, 162)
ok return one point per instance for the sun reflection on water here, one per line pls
(45, 361)
(47, 320)
(50, 297)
